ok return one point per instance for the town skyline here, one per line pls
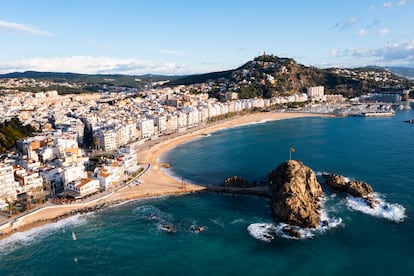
(179, 37)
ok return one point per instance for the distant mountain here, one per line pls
(269, 75)
(405, 72)
(91, 79)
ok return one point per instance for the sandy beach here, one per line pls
(154, 182)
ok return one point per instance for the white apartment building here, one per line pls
(53, 179)
(128, 158)
(74, 172)
(182, 120)
(8, 186)
(161, 123)
(30, 182)
(172, 123)
(109, 175)
(316, 93)
(47, 153)
(147, 127)
(105, 139)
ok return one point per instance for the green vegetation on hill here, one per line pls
(89, 82)
(200, 78)
(12, 130)
(269, 76)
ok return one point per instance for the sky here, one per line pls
(177, 37)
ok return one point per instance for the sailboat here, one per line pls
(74, 236)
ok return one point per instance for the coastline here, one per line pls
(154, 183)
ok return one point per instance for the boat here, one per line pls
(74, 236)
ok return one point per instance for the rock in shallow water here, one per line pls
(353, 187)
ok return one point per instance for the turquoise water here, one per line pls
(128, 239)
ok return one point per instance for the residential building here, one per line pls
(83, 187)
(8, 186)
(316, 93)
(147, 127)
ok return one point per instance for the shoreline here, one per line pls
(155, 182)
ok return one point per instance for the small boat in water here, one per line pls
(74, 236)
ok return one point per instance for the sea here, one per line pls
(219, 234)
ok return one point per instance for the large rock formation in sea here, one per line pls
(353, 187)
(296, 194)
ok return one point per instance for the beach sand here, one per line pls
(154, 183)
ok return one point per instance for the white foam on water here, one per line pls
(151, 212)
(321, 173)
(305, 233)
(262, 231)
(31, 236)
(237, 221)
(265, 231)
(391, 211)
(218, 222)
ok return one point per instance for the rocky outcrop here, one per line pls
(235, 181)
(296, 194)
(352, 187)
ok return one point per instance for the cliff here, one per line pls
(296, 194)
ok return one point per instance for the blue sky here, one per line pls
(190, 36)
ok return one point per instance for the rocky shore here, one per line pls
(352, 187)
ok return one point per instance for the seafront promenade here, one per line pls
(154, 181)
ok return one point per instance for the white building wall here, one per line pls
(161, 123)
(147, 127)
(8, 185)
(74, 172)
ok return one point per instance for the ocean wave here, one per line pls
(218, 222)
(237, 221)
(175, 176)
(262, 231)
(31, 236)
(266, 231)
(150, 212)
(391, 211)
(255, 123)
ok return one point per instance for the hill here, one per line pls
(269, 75)
(91, 82)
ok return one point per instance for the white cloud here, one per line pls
(171, 52)
(402, 3)
(384, 31)
(11, 27)
(387, 5)
(98, 65)
(401, 53)
(347, 23)
(362, 32)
